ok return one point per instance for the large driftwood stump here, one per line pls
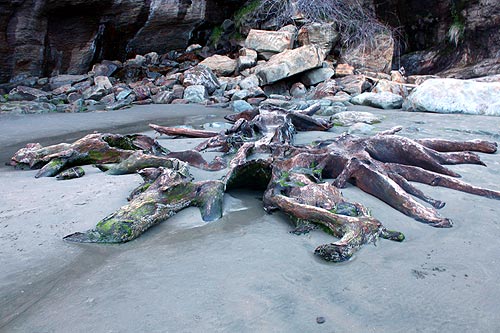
(259, 152)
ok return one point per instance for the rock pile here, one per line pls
(285, 68)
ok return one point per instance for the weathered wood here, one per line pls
(259, 153)
(181, 131)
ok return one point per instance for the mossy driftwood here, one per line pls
(259, 152)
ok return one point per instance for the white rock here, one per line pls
(384, 100)
(455, 96)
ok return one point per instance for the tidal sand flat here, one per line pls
(244, 272)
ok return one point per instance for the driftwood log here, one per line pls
(259, 152)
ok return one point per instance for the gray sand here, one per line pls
(244, 272)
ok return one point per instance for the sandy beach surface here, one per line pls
(245, 272)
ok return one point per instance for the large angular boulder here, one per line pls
(290, 62)
(455, 96)
(269, 41)
(323, 35)
(201, 75)
(22, 93)
(220, 65)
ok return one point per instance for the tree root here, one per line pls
(259, 152)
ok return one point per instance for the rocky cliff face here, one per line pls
(444, 34)
(46, 37)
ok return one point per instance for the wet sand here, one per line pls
(244, 272)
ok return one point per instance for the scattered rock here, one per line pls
(455, 96)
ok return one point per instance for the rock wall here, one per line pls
(444, 34)
(47, 37)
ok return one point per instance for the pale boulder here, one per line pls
(455, 96)
(269, 41)
(220, 65)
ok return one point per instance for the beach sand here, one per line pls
(244, 272)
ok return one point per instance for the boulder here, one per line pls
(269, 41)
(354, 84)
(325, 89)
(241, 106)
(455, 96)
(220, 65)
(390, 86)
(317, 75)
(61, 80)
(384, 100)
(288, 63)
(195, 94)
(201, 75)
(22, 93)
(249, 82)
(323, 35)
(240, 95)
